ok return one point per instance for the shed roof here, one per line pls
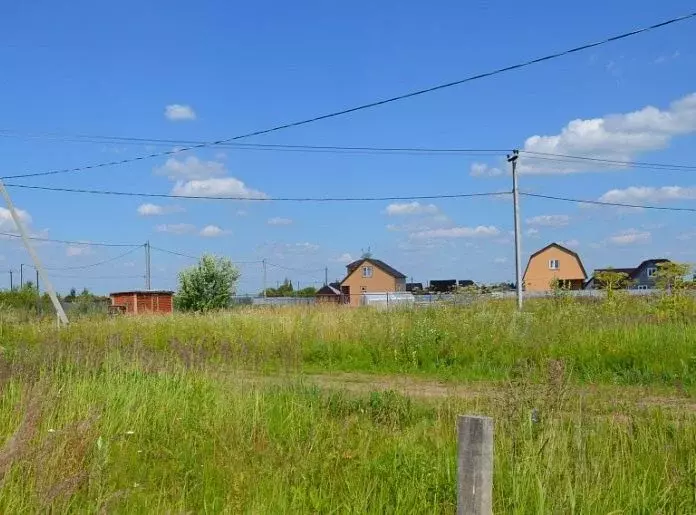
(328, 289)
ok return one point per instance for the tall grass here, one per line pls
(120, 439)
(159, 415)
(604, 343)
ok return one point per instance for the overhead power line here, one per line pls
(92, 265)
(99, 277)
(371, 105)
(299, 270)
(261, 199)
(189, 256)
(264, 146)
(567, 158)
(603, 203)
(398, 150)
(70, 242)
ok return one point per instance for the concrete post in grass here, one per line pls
(474, 465)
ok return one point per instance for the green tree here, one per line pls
(209, 285)
(672, 276)
(611, 281)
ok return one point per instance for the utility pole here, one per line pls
(264, 276)
(326, 275)
(11, 284)
(518, 233)
(62, 317)
(148, 276)
(21, 275)
(37, 283)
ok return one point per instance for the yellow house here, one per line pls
(554, 262)
(369, 275)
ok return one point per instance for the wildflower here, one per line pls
(130, 432)
(51, 430)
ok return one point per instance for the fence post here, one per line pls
(474, 465)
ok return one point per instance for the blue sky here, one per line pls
(81, 68)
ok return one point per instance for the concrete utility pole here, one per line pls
(518, 233)
(326, 275)
(21, 275)
(11, 283)
(264, 276)
(37, 283)
(62, 317)
(148, 275)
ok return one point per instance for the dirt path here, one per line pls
(432, 389)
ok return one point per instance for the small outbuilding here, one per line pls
(143, 301)
(331, 294)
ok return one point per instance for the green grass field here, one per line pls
(351, 410)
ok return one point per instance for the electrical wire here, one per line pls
(105, 277)
(603, 203)
(69, 242)
(298, 270)
(92, 265)
(257, 199)
(544, 156)
(371, 105)
(181, 254)
(263, 146)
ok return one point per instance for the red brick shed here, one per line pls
(144, 301)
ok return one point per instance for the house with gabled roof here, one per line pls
(368, 275)
(641, 277)
(554, 264)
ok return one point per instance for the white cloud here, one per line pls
(483, 170)
(500, 260)
(179, 112)
(344, 258)
(411, 208)
(212, 231)
(457, 232)
(646, 194)
(190, 168)
(7, 222)
(176, 228)
(241, 212)
(532, 232)
(157, 210)
(630, 236)
(277, 220)
(228, 187)
(549, 220)
(78, 250)
(615, 136)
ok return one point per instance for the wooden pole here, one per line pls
(474, 465)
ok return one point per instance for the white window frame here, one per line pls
(642, 287)
(553, 262)
(651, 271)
(367, 272)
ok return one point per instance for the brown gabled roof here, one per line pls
(352, 267)
(560, 247)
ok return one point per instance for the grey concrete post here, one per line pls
(474, 465)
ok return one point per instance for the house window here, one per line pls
(652, 271)
(554, 264)
(367, 271)
(642, 287)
